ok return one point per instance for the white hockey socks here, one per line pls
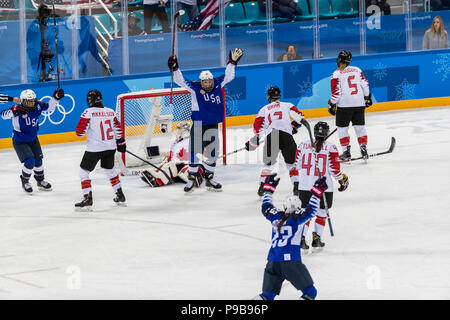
(361, 133)
(321, 219)
(113, 178)
(86, 186)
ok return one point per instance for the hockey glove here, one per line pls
(173, 63)
(319, 187)
(368, 100)
(271, 183)
(235, 56)
(252, 144)
(332, 108)
(121, 145)
(18, 109)
(295, 126)
(343, 183)
(58, 94)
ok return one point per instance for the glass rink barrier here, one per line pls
(51, 40)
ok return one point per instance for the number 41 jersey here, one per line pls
(327, 161)
(101, 127)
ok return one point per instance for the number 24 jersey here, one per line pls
(101, 127)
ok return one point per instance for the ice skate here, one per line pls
(43, 185)
(345, 156)
(26, 185)
(364, 153)
(316, 243)
(212, 185)
(120, 198)
(85, 204)
(194, 181)
(304, 246)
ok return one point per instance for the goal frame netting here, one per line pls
(155, 120)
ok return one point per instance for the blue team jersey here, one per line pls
(286, 242)
(26, 126)
(207, 107)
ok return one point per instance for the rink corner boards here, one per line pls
(64, 137)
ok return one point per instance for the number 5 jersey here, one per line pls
(348, 87)
(327, 160)
(101, 127)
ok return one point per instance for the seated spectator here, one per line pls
(385, 8)
(282, 8)
(436, 37)
(133, 27)
(290, 54)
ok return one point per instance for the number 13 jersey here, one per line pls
(327, 161)
(348, 87)
(101, 127)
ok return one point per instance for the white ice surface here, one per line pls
(392, 231)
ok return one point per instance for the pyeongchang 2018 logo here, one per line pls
(64, 107)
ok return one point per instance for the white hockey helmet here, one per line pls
(183, 130)
(291, 204)
(28, 98)
(206, 80)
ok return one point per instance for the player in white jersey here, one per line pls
(350, 97)
(104, 135)
(329, 166)
(274, 123)
(177, 163)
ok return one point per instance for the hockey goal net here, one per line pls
(149, 120)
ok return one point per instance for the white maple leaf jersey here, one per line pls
(328, 163)
(276, 115)
(101, 127)
(348, 87)
(179, 151)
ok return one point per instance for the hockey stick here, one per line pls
(308, 127)
(391, 148)
(201, 157)
(56, 45)
(175, 16)
(165, 174)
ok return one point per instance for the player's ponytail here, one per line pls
(284, 219)
(319, 144)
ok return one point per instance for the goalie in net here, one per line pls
(176, 164)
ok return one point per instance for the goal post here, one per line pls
(148, 122)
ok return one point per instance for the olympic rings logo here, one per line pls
(60, 108)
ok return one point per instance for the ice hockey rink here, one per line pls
(391, 226)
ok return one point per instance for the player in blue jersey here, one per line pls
(284, 260)
(25, 120)
(207, 112)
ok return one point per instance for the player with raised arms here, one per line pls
(284, 259)
(273, 122)
(350, 97)
(328, 163)
(25, 119)
(207, 113)
(104, 136)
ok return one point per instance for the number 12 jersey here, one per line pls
(101, 127)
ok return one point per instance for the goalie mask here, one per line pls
(183, 130)
(28, 99)
(206, 80)
(291, 204)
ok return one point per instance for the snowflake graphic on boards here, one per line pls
(305, 88)
(405, 90)
(231, 103)
(294, 69)
(443, 65)
(380, 71)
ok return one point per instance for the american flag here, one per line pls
(205, 18)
